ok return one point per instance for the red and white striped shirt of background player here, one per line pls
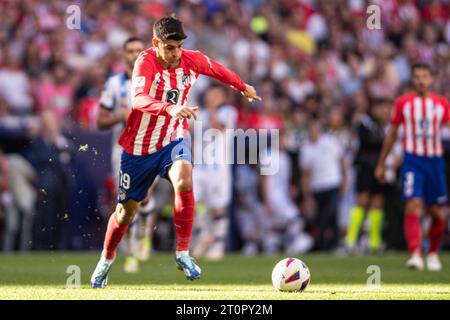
(149, 127)
(421, 118)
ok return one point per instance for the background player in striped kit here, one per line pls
(156, 140)
(115, 103)
(421, 113)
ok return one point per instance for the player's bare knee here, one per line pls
(125, 213)
(414, 206)
(183, 184)
(436, 212)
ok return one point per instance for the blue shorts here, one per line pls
(137, 173)
(424, 177)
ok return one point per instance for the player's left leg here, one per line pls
(180, 175)
(436, 197)
(117, 227)
(435, 235)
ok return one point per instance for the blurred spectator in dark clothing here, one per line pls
(370, 193)
(50, 155)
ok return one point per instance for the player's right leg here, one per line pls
(436, 197)
(128, 244)
(413, 184)
(117, 226)
(180, 175)
(137, 173)
(412, 231)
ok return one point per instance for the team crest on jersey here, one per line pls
(186, 79)
(122, 194)
(172, 96)
(424, 124)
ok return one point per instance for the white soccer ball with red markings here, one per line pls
(291, 274)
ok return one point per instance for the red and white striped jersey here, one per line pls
(154, 88)
(421, 117)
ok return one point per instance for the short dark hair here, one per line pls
(169, 28)
(131, 39)
(421, 65)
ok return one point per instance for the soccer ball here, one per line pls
(291, 274)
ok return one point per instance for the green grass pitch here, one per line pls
(44, 276)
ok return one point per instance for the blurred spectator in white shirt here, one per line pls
(324, 177)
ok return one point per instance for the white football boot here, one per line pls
(415, 262)
(433, 262)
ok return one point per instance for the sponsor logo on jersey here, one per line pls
(172, 96)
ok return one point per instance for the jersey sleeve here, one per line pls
(107, 98)
(143, 74)
(397, 114)
(211, 68)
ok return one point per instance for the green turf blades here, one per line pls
(43, 276)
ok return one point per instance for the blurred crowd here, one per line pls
(317, 66)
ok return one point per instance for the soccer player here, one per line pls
(156, 139)
(115, 103)
(421, 113)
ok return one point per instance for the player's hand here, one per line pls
(250, 93)
(379, 173)
(183, 112)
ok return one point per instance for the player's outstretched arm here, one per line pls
(211, 68)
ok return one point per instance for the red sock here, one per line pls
(114, 234)
(183, 218)
(412, 231)
(435, 234)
